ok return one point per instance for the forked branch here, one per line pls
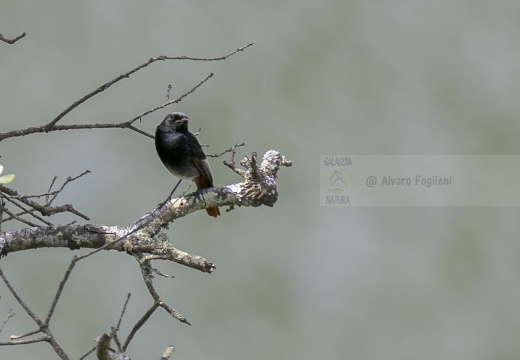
(12, 41)
(128, 124)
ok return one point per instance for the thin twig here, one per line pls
(44, 210)
(122, 125)
(17, 216)
(21, 336)
(50, 188)
(24, 342)
(26, 211)
(47, 335)
(168, 92)
(139, 323)
(146, 273)
(160, 273)
(231, 162)
(20, 301)
(2, 204)
(69, 179)
(113, 334)
(127, 75)
(9, 315)
(52, 125)
(12, 41)
(123, 311)
(232, 150)
(88, 353)
(44, 326)
(60, 290)
(129, 124)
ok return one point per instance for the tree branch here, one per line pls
(45, 210)
(12, 41)
(52, 125)
(143, 238)
(258, 188)
(43, 326)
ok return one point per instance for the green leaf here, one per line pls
(6, 179)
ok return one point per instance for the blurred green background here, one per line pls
(297, 281)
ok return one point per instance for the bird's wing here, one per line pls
(198, 158)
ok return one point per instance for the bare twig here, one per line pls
(19, 299)
(52, 125)
(113, 334)
(168, 92)
(103, 342)
(24, 342)
(139, 324)
(60, 290)
(21, 336)
(88, 353)
(14, 196)
(231, 150)
(43, 327)
(122, 125)
(18, 216)
(52, 194)
(9, 315)
(69, 179)
(231, 162)
(127, 75)
(157, 302)
(129, 124)
(50, 187)
(123, 311)
(12, 41)
(26, 211)
(2, 205)
(160, 273)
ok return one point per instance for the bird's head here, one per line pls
(176, 121)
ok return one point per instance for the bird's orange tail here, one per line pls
(202, 183)
(213, 211)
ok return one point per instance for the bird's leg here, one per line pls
(198, 195)
(201, 183)
(175, 188)
(171, 194)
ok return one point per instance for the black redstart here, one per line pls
(181, 153)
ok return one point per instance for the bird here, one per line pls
(181, 153)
